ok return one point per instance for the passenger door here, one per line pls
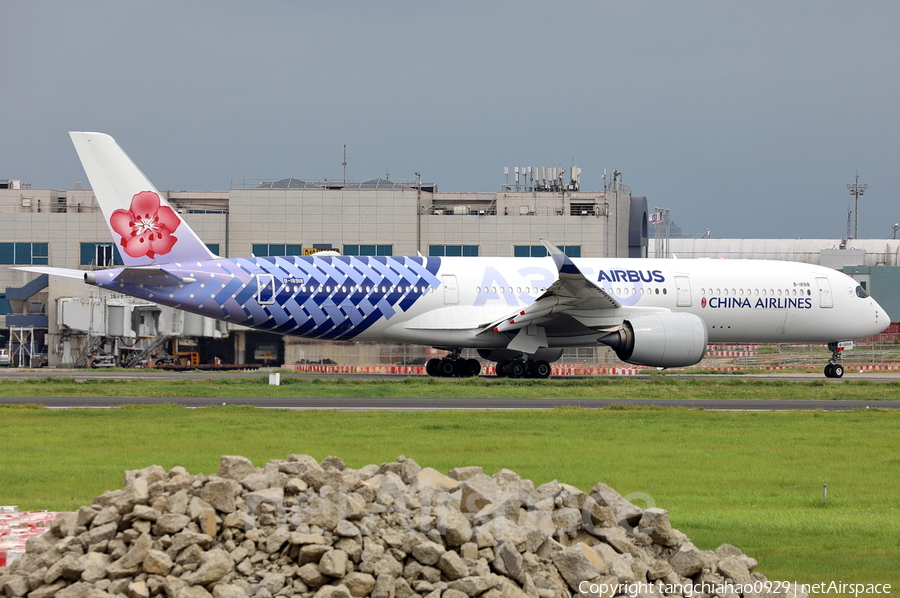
(683, 291)
(451, 289)
(825, 298)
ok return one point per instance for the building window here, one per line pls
(541, 251)
(453, 250)
(101, 255)
(24, 254)
(368, 250)
(214, 247)
(582, 209)
(275, 249)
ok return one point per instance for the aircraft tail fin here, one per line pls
(144, 226)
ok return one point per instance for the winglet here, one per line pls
(563, 263)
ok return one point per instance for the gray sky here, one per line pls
(748, 118)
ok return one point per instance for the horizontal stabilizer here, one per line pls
(66, 272)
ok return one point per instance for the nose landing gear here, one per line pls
(834, 369)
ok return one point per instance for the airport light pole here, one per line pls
(856, 190)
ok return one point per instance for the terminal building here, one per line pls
(62, 322)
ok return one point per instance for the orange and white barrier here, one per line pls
(17, 527)
(878, 368)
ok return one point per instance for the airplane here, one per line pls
(518, 312)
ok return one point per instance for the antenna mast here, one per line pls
(856, 190)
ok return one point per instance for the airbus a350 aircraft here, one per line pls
(519, 312)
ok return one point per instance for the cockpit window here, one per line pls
(861, 292)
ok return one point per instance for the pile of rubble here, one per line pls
(300, 528)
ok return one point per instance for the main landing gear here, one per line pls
(453, 366)
(834, 369)
(522, 368)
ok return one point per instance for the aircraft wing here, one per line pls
(559, 307)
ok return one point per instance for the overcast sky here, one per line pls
(747, 118)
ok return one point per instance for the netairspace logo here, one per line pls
(638, 588)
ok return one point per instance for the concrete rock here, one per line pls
(224, 590)
(333, 563)
(428, 553)
(137, 589)
(216, 564)
(220, 493)
(170, 523)
(235, 467)
(477, 491)
(579, 563)
(339, 591)
(734, 569)
(359, 584)
(655, 523)
(452, 565)
(157, 562)
(687, 561)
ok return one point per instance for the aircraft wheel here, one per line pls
(433, 367)
(541, 369)
(447, 367)
(502, 369)
(474, 367)
(517, 369)
(829, 370)
(837, 371)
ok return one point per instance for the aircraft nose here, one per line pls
(882, 319)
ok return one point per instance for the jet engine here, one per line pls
(665, 340)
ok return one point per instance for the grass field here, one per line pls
(308, 385)
(750, 479)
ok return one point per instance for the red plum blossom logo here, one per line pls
(146, 227)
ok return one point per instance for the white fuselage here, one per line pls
(739, 300)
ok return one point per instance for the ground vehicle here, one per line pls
(103, 361)
(4, 356)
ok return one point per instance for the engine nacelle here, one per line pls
(664, 340)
